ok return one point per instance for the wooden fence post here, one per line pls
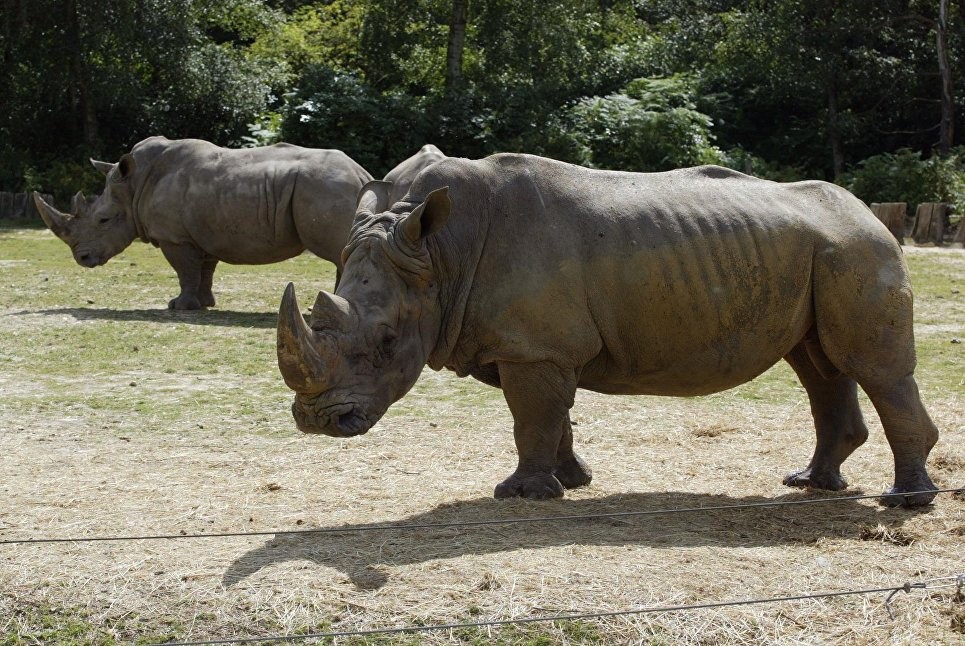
(931, 220)
(893, 215)
(20, 206)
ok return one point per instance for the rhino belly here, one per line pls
(700, 317)
(246, 240)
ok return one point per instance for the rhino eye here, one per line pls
(386, 346)
(104, 220)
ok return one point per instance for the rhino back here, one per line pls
(403, 175)
(681, 283)
(247, 206)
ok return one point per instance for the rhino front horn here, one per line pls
(55, 220)
(299, 360)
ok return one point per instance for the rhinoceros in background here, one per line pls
(202, 204)
(540, 277)
(402, 175)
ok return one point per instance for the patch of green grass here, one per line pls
(69, 627)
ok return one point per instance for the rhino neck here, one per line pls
(455, 253)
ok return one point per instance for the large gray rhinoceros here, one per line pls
(202, 204)
(539, 278)
(402, 175)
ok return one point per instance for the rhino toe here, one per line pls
(573, 473)
(812, 479)
(184, 303)
(538, 487)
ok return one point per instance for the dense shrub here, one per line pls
(903, 176)
(652, 125)
(331, 109)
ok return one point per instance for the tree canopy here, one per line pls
(782, 88)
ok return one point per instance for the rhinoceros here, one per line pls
(402, 175)
(202, 204)
(540, 277)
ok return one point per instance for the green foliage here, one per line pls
(903, 176)
(337, 110)
(788, 87)
(66, 177)
(653, 125)
(314, 34)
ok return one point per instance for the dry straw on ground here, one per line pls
(193, 435)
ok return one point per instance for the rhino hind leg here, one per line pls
(837, 417)
(205, 295)
(865, 323)
(539, 396)
(188, 262)
(911, 435)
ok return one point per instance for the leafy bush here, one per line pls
(903, 176)
(651, 125)
(336, 110)
(749, 163)
(64, 177)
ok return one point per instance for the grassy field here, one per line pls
(119, 417)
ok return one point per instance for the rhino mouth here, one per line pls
(89, 260)
(338, 420)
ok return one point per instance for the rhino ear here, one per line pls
(102, 166)
(428, 217)
(125, 167)
(374, 197)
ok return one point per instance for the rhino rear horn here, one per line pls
(331, 312)
(56, 221)
(78, 204)
(302, 366)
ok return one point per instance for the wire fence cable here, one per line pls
(955, 580)
(473, 523)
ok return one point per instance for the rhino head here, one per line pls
(365, 346)
(99, 231)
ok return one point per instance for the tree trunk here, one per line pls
(80, 90)
(455, 45)
(834, 131)
(947, 124)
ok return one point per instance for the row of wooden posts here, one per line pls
(20, 206)
(930, 225)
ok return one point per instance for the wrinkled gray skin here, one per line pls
(402, 175)
(202, 204)
(540, 277)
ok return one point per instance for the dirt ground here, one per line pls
(178, 424)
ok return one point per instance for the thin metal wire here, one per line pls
(906, 587)
(471, 523)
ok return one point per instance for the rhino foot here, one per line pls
(573, 472)
(541, 486)
(207, 300)
(811, 479)
(184, 303)
(898, 496)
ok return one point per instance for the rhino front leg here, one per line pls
(188, 263)
(570, 470)
(539, 396)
